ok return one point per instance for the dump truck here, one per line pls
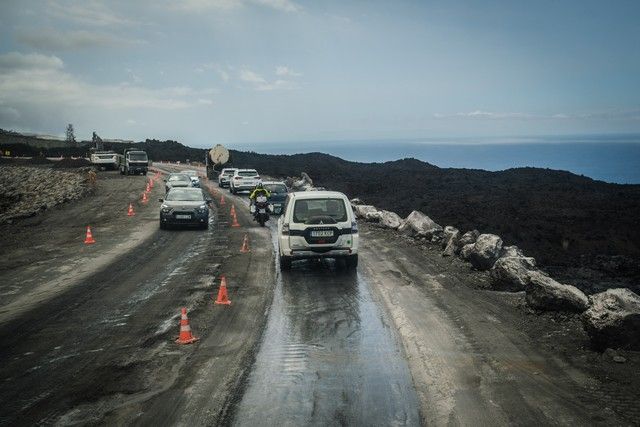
(133, 161)
(215, 160)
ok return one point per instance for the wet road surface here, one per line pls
(328, 356)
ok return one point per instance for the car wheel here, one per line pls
(352, 261)
(285, 263)
(163, 226)
(144, 173)
(205, 226)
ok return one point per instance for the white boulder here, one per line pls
(390, 220)
(544, 293)
(361, 211)
(418, 224)
(512, 273)
(469, 237)
(613, 320)
(486, 250)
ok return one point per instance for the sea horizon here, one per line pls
(609, 158)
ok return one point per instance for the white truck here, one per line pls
(104, 160)
(133, 161)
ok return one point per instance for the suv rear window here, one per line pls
(309, 209)
(247, 173)
(276, 188)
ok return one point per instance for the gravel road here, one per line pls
(410, 338)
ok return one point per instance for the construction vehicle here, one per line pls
(215, 160)
(133, 161)
(104, 160)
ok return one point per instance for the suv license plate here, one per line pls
(183, 216)
(327, 233)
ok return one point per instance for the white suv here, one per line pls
(243, 180)
(317, 224)
(225, 176)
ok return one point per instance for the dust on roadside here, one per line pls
(557, 333)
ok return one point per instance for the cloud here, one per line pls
(283, 71)
(37, 80)
(50, 39)
(30, 61)
(221, 71)
(603, 115)
(87, 12)
(259, 83)
(197, 6)
(283, 5)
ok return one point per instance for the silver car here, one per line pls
(176, 180)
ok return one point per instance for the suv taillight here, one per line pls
(257, 177)
(285, 229)
(237, 177)
(354, 227)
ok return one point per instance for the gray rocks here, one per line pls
(361, 211)
(614, 319)
(29, 190)
(450, 241)
(544, 293)
(418, 224)
(305, 183)
(390, 219)
(465, 252)
(486, 250)
(512, 251)
(469, 237)
(448, 232)
(512, 273)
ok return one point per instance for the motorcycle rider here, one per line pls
(259, 190)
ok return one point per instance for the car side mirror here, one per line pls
(164, 180)
(161, 200)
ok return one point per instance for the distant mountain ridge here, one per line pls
(556, 216)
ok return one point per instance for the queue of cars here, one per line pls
(312, 224)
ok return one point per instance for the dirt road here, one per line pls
(410, 338)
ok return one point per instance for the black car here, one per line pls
(278, 192)
(185, 206)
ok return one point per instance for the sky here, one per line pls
(256, 71)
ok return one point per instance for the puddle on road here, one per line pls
(327, 357)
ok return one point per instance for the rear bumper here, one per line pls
(310, 254)
(193, 221)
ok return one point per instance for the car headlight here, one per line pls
(202, 208)
(164, 208)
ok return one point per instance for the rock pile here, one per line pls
(611, 318)
(25, 191)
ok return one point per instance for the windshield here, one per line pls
(179, 178)
(190, 173)
(183, 194)
(228, 172)
(305, 210)
(276, 188)
(138, 157)
(247, 173)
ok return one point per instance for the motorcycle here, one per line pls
(261, 210)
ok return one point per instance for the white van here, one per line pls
(317, 224)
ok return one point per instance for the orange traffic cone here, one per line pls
(222, 201)
(144, 197)
(233, 210)
(245, 245)
(222, 293)
(130, 212)
(235, 222)
(185, 337)
(89, 239)
(148, 188)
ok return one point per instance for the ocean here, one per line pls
(614, 159)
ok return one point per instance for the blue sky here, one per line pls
(237, 71)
